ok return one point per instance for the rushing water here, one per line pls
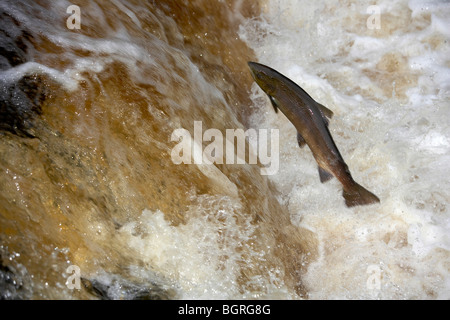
(389, 90)
(89, 185)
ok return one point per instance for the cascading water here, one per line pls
(92, 94)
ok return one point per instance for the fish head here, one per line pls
(263, 76)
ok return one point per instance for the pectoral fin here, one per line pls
(274, 104)
(326, 113)
(324, 175)
(301, 141)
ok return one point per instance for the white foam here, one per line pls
(32, 68)
(399, 150)
(201, 257)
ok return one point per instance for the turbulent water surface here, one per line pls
(93, 205)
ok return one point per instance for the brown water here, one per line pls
(86, 173)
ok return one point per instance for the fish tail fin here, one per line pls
(357, 195)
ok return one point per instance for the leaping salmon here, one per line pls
(310, 118)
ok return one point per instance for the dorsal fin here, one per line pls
(326, 113)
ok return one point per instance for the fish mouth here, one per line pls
(255, 70)
(252, 65)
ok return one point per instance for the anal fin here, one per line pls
(324, 175)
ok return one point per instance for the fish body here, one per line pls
(310, 118)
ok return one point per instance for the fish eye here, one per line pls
(261, 75)
(257, 74)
